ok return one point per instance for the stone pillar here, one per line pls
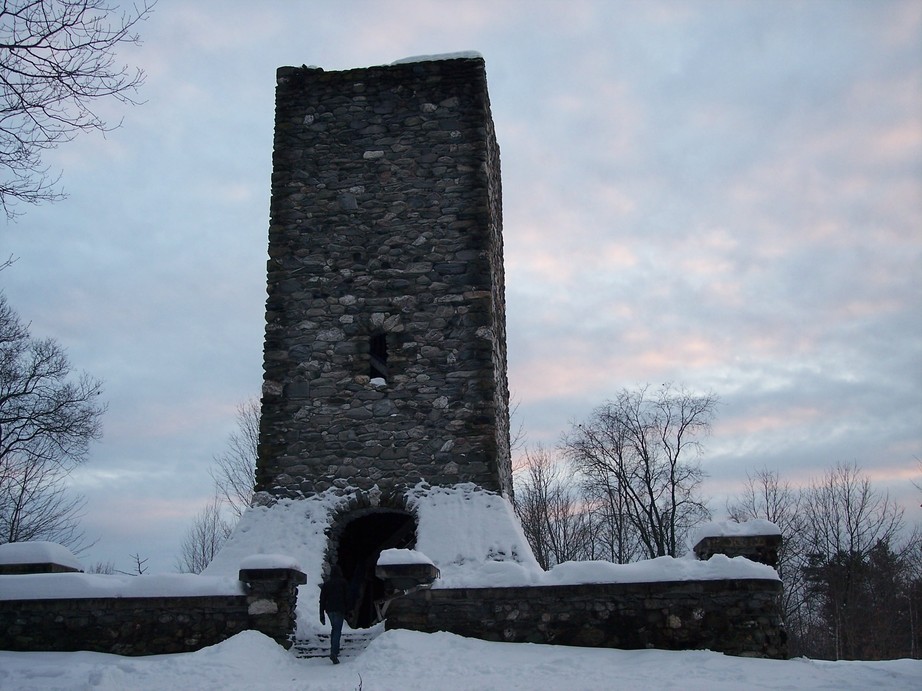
(760, 548)
(272, 596)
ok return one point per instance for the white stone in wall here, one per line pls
(262, 607)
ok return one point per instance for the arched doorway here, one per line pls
(362, 539)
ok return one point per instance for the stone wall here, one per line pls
(152, 625)
(737, 617)
(385, 247)
(124, 626)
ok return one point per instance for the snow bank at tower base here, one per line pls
(471, 535)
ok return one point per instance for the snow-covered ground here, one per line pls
(408, 660)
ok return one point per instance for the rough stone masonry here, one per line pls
(385, 355)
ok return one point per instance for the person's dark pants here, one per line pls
(336, 622)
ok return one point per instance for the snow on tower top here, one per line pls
(461, 55)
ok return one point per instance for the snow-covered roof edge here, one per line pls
(56, 586)
(460, 55)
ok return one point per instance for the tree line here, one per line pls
(625, 484)
(852, 573)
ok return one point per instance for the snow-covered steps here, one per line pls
(350, 645)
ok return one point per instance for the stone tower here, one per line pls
(385, 355)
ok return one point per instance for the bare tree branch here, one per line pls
(203, 539)
(140, 566)
(234, 469)
(57, 61)
(48, 417)
(548, 506)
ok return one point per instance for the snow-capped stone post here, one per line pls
(272, 594)
(37, 557)
(403, 571)
(758, 540)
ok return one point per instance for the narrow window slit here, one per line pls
(377, 356)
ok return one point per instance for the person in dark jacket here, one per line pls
(334, 596)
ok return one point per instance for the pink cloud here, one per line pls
(773, 421)
(581, 369)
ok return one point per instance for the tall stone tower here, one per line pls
(385, 355)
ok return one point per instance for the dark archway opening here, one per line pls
(361, 542)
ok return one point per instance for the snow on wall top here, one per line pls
(390, 557)
(291, 527)
(472, 536)
(718, 567)
(270, 561)
(56, 586)
(38, 552)
(662, 569)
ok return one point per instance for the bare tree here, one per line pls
(517, 433)
(234, 469)
(140, 565)
(850, 589)
(48, 417)
(844, 513)
(57, 60)
(641, 448)
(613, 536)
(36, 504)
(204, 538)
(550, 510)
(233, 474)
(102, 567)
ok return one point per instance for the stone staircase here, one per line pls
(351, 644)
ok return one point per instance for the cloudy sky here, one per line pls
(722, 194)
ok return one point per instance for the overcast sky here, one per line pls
(722, 194)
